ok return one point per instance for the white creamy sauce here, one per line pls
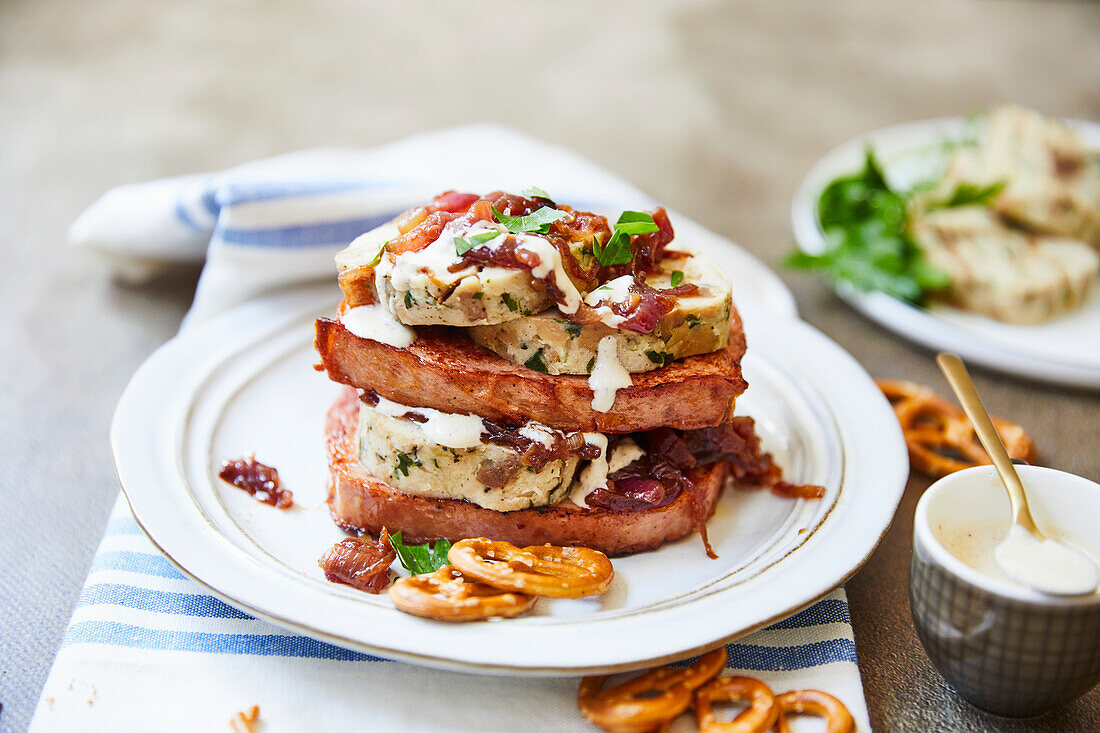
(550, 268)
(447, 429)
(539, 434)
(608, 375)
(377, 323)
(1049, 566)
(594, 475)
(613, 291)
(991, 548)
(626, 452)
(414, 269)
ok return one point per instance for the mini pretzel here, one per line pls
(814, 702)
(757, 718)
(940, 438)
(650, 701)
(446, 595)
(543, 570)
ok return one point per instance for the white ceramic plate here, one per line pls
(243, 383)
(1065, 350)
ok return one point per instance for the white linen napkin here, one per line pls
(148, 647)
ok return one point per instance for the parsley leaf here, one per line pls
(967, 194)
(537, 362)
(420, 559)
(378, 257)
(536, 222)
(660, 358)
(677, 277)
(404, 463)
(635, 222)
(866, 226)
(534, 192)
(509, 301)
(573, 329)
(617, 250)
(465, 244)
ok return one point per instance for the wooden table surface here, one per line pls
(716, 108)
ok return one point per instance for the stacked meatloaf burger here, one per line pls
(522, 371)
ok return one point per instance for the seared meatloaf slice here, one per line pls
(363, 502)
(445, 370)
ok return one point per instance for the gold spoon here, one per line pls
(1028, 556)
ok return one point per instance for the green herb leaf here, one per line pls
(378, 256)
(465, 244)
(967, 194)
(537, 362)
(409, 302)
(866, 227)
(420, 559)
(509, 301)
(534, 192)
(536, 222)
(677, 277)
(573, 329)
(591, 364)
(404, 463)
(661, 358)
(636, 222)
(615, 252)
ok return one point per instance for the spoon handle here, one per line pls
(959, 378)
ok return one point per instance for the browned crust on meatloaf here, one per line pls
(445, 370)
(360, 501)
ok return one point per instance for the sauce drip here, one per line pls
(259, 480)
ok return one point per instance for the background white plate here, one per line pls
(243, 383)
(1065, 350)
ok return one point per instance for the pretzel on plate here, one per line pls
(446, 595)
(814, 702)
(543, 570)
(940, 438)
(648, 702)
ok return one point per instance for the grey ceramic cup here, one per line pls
(1006, 649)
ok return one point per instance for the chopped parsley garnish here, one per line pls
(510, 302)
(660, 358)
(378, 256)
(409, 300)
(465, 244)
(537, 362)
(591, 363)
(421, 559)
(534, 192)
(537, 222)
(573, 329)
(677, 277)
(617, 250)
(967, 194)
(692, 320)
(404, 463)
(868, 245)
(636, 222)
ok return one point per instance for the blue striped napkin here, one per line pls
(147, 647)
